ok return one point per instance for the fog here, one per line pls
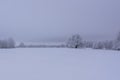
(56, 20)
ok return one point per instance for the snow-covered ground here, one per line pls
(59, 64)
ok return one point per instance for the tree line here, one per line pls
(76, 41)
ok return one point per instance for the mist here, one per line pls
(56, 20)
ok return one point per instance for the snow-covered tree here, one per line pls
(7, 43)
(75, 41)
(108, 44)
(118, 37)
(21, 45)
(4, 44)
(11, 43)
(98, 45)
(117, 43)
(88, 44)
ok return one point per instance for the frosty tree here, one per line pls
(88, 44)
(75, 41)
(108, 44)
(7, 43)
(117, 42)
(98, 45)
(3, 44)
(11, 43)
(21, 44)
(118, 37)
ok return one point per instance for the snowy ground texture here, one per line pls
(59, 64)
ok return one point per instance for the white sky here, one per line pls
(55, 20)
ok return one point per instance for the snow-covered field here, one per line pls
(59, 64)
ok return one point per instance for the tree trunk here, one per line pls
(76, 46)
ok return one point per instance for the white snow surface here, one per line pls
(59, 64)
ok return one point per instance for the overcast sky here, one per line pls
(52, 20)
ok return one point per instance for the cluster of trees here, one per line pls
(7, 43)
(103, 45)
(73, 42)
(76, 42)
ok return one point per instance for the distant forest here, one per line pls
(75, 41)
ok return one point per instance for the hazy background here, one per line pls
(56, 20)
